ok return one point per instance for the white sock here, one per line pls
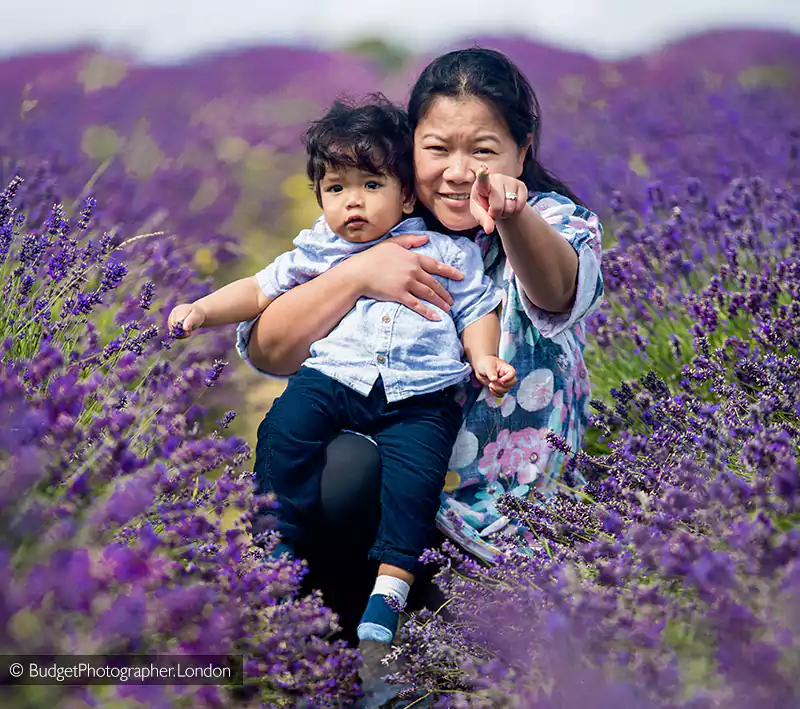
(386, 585)
(379, 622)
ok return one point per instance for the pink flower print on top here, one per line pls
(580, 332)
(506, 403)
(536, 390)
(559, 413)
(583, 386)
(528, 454)
(491, 464)
(508, 346)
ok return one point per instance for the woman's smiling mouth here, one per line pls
(455, 196)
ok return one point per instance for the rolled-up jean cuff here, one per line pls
(244, 331)
(407, 562)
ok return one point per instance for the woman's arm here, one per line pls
(389, 271)
(542, 259)
(283, 334)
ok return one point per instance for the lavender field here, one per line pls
(125, 494)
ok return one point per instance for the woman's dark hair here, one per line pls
(372, 135)
(489, 75)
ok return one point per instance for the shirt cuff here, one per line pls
(487, 306)
(587, 298)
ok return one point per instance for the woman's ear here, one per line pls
(409, 200)
(523, 151)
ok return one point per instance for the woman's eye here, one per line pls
(485, 151)
(372, 185)
(436, 148)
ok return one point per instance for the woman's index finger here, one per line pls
(482, 177)
(409, 240)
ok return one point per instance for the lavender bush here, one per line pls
(127, 518)
(671, 579)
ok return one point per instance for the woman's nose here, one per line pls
(459, 169)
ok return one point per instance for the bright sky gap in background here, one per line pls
(170, 30)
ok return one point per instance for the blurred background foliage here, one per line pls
(209, 150)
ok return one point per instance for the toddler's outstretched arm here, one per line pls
(481, 342)
(233, 303)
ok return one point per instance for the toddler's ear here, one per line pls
(409, 200)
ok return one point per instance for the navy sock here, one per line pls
(379, 622)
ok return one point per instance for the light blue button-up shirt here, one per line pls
(412, 355)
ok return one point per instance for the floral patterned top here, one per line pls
(502, 444)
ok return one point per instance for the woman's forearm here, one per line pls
(283, 334)
(542, 259)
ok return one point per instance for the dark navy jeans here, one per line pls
(415, 438)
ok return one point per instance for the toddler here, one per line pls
(385, 371)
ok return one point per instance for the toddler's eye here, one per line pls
(373, 185)
(334, 188)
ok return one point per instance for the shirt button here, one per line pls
(381, 359)
(386, 318)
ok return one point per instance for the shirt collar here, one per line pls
(412, 225)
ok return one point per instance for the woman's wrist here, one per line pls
(351, 277)
(526, 214)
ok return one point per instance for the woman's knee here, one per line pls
(350, 485)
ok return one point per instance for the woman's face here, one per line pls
(452, 140)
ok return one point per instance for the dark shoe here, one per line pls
(377, 692)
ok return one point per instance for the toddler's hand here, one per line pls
(192, 316)
(495, 373)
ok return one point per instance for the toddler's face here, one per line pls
(360, 206)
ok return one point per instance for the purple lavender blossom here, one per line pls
(216, 371)
(146, 295)
(113, 498)
(669, 580)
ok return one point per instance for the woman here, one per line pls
(468, 108)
